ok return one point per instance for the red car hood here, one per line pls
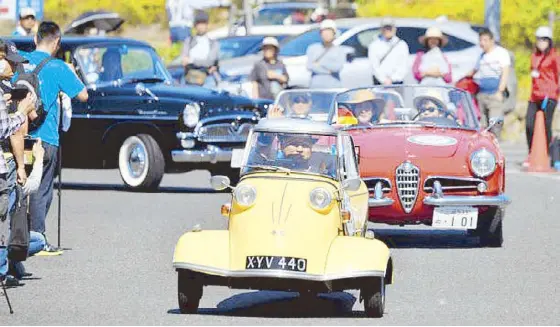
(409, 143)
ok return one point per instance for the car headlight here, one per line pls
(483, 163)
(320, 198)
(245, 195)
(191, 114)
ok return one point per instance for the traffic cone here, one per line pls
(538, 156)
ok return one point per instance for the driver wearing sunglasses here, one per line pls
(301, 105)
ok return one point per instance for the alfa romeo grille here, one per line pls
(407, 185)
(224, 133)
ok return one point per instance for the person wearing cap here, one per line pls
(325, 60)
(545, 70)
(431, 66)
(27, 22)
(387, 55)
(491, 74)
(200, 53)
(269, 75)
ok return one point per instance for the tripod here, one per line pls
(6, 296)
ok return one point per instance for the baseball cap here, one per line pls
(12, 54)
(388, 21)
(328, 23)
(544, 31)
(27, 12)
(269, 40)
(201, 17)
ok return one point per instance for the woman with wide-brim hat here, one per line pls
(431, 65)
(365, 106)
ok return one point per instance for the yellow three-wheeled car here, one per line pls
(297, 222)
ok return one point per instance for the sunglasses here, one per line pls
(542, 39)
(301, 99)
(430, 109)
(387, 27)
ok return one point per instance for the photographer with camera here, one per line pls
(9, 125)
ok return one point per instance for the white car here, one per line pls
(357, 33)
(273, 19)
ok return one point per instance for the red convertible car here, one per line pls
(425, 158)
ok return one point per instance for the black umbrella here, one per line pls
(102, 20)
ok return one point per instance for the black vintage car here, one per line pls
(136, 120)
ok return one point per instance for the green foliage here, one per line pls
(168, 53)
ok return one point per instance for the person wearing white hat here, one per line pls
(387, 55)
(27, 22)
(269, 75)
(431, 66)
(545, 70)
(325, 60)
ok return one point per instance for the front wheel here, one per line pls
(489, 228)
(189, 291)
(141, 162)
(374, 298)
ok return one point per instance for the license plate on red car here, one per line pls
(455, 217)
(276, 263)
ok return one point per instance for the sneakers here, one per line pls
(557, 165)
(525, 163)
(11, 281)
(50, 250)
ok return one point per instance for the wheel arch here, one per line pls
(114, 136)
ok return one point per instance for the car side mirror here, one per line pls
(220, 183)
(352, 184)
(494, 121)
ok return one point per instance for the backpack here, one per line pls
(31, 82)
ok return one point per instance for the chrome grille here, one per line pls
(224, 132)
(407, 177)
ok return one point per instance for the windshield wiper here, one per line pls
(270, 168)
(143, 80)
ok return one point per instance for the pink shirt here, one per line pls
(416, 68)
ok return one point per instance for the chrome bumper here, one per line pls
(384, 202)
(478, 200)
(258, 273)
(212, 154)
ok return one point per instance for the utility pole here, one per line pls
(248, 10)
(552, 19)
(492, 15)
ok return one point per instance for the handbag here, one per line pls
(195, 76)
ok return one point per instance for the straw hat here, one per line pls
(433, 32)
(364, 95)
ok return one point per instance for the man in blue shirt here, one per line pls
(55, 77)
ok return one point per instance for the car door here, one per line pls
(358, 73)
(357, 198)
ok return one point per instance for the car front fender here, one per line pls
(203, 249)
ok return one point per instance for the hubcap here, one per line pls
(137, 160)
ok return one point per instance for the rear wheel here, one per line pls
(141, 162)
(374, 298)
(489, 229)
(189, 291)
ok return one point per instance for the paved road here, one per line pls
(119, 268)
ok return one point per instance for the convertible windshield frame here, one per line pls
(408, 93)
(280, 169)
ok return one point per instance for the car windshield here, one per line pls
(291, 152)
(410, 104)
(283, 16)
(312, 104)
(298, 44)
(120, 63)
